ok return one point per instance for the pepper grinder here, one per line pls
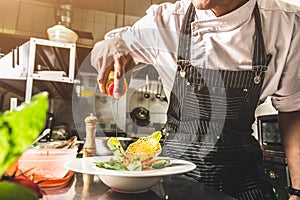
(89, 147)
(89, 150)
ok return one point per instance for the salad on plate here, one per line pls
(140, 155)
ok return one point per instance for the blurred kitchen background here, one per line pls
(23, 29)
(30, 63)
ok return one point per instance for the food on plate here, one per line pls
(143, 148)
(148, 144)
(135, 165)
(116, 148)
(139, 155)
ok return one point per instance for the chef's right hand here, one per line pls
(112, 55)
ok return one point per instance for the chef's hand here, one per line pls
(112, 55)
(294, 197)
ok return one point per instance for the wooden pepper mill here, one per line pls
(89, 147)
(89, 150)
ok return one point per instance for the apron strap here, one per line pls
(184, 46)
(260, 57)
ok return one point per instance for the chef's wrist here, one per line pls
(294, 191)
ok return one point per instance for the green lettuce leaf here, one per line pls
(20, 127)
(114, 165)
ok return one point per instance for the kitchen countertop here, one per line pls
(90, 187)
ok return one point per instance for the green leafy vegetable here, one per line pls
(135, 165)
(116, 148)
(114, 165)
(162, 163)
(20, 127)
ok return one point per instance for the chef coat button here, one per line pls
(245, 90)
(188, 83)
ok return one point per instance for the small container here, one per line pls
(48, 163)
(110, 85)
(61, 33)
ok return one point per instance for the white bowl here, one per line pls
(128, 181)
(129, 184)
(60, 33)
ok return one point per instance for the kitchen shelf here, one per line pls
(51, 64)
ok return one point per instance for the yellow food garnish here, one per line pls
(143, 148)
(149, 144)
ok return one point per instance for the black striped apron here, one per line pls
(210, 116)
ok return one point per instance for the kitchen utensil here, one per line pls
(44, 133)
(70, 143)
(140, 116)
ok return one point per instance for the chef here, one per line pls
(218, 60)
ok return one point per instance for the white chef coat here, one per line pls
(224, 42)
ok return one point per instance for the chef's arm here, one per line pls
(289, 123)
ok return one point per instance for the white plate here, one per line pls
(127, 181)
(87, 166)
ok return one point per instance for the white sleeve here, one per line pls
(287, 97)
(153, 33)
(141, 39)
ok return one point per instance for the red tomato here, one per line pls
(26, 182)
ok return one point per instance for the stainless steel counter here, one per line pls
(90, 187)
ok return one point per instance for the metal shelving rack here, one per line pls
(27, 61)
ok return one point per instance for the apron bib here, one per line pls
(210, 116)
